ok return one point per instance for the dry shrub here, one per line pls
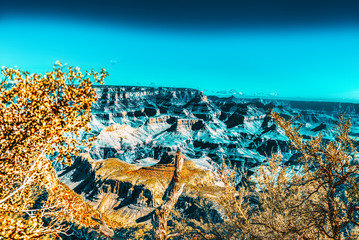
(318, 201)
(41, 120)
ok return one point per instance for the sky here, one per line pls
(288, 48)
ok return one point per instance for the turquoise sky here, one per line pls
(316, 62)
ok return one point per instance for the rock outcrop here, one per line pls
(120, 189)
(135, 123)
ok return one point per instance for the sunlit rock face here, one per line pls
(117, 188)
(137, 123)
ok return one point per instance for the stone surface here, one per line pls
(135, 123)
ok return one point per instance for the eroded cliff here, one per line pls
(137, 128)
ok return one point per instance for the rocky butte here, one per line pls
(139, 128)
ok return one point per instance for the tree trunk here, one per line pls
(174, 191)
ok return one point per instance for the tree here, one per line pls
(41, 119)
(320, 200)
(323, 197)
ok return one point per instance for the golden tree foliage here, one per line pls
(41, 117)
(325, 193)
(284, 210)
(318, 201)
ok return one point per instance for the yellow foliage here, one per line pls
(318, 201)
(41, 116)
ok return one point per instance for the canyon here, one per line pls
(138, 130)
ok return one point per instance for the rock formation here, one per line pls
(138, 128)
(136, 123)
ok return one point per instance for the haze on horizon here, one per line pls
(296, 49)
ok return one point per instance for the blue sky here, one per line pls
(309, 61)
